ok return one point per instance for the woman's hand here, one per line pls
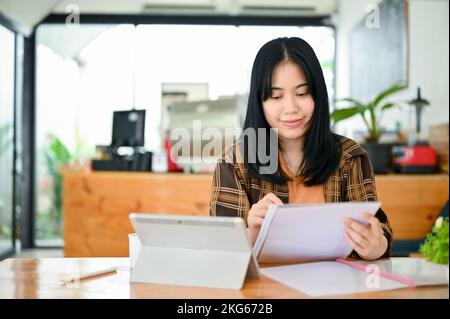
(369, 242)
(257, 213)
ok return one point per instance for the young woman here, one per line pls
(288, 95)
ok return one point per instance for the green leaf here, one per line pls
(395, 88)
(56, 154)
(387, 106)
(60, 151)
(436, 245)
(362, 108)
(342, 114)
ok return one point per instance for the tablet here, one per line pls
(206, 233)
(308, 232)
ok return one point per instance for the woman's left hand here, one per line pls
(369, 242)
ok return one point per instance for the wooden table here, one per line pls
(41, 278)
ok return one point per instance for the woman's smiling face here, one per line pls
(290, 105)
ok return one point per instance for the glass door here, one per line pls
(7, 80)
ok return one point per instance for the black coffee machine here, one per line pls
(126, 152)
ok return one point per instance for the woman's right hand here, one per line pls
(257, 213)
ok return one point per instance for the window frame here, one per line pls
(17, 32)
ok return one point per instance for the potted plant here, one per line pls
(435, 247)
(371, 113)
(56, 155)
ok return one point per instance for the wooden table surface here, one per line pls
(42, 278)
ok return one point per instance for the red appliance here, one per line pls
(172, 166)
(415, 159)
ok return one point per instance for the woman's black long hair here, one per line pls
(320, 146)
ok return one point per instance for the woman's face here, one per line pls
(290, 106)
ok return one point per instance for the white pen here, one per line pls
(90, 274)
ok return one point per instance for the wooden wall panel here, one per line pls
(97, 205)
(412, 202)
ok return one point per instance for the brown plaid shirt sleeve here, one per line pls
(234, 191)
(360, 185)
(228, 197)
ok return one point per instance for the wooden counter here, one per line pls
(97, 205)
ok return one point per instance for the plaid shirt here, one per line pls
(234, 191)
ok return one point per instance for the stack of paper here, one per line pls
(297, 233)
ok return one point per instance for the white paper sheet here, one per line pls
(293, 233)
(331, 278)
(328, 278)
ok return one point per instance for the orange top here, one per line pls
(299, 193)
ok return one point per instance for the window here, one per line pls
(86, 73)
(7, 79)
